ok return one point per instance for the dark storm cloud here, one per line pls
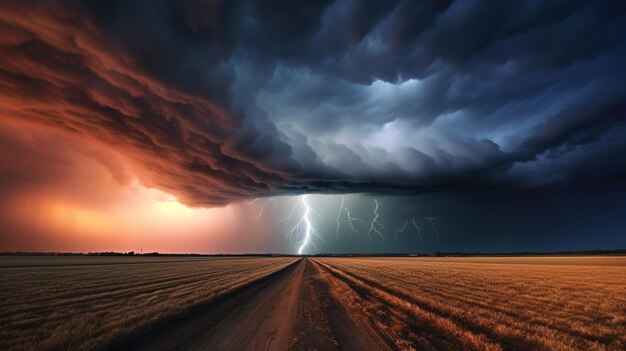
(147, 81)
(219, 101)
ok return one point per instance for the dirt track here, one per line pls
(406, 304)
(293, 310)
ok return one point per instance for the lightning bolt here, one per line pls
(305, 225)
(271, 199)
(252, 201)
(401, 230)
(375, 223)
(434, 222)
(419, 231)
(288, 218)
(349, 218)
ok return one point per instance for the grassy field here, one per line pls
(68, 303)
(435, 303)
(532, 260)
(546, 303)
(49, 261)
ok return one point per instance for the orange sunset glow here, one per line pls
(76, 195)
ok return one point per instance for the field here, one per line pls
(499, 303)
(78, 306)
(474, 303)
(50, 261)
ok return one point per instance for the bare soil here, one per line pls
(293, 310)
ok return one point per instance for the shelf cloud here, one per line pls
(219, 101)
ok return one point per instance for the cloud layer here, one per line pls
(220, 101)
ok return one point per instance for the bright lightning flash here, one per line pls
(304, 225)
(305, 228)
(349, 218)
(375, 224)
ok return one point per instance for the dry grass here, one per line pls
(90, 306)
(503, 303)
(533, 260)
(47, 261)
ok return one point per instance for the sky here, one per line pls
(243, 126)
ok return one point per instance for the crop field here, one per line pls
(314, 303)
(79, 306)
(499, 303)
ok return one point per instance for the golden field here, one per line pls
(374, 303)
(492, 303)
(71, 305)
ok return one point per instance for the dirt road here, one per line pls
(293, 310)
(402, 304)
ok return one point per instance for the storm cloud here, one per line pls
(217, 101)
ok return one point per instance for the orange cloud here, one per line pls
(68, 194)
(58, 70)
